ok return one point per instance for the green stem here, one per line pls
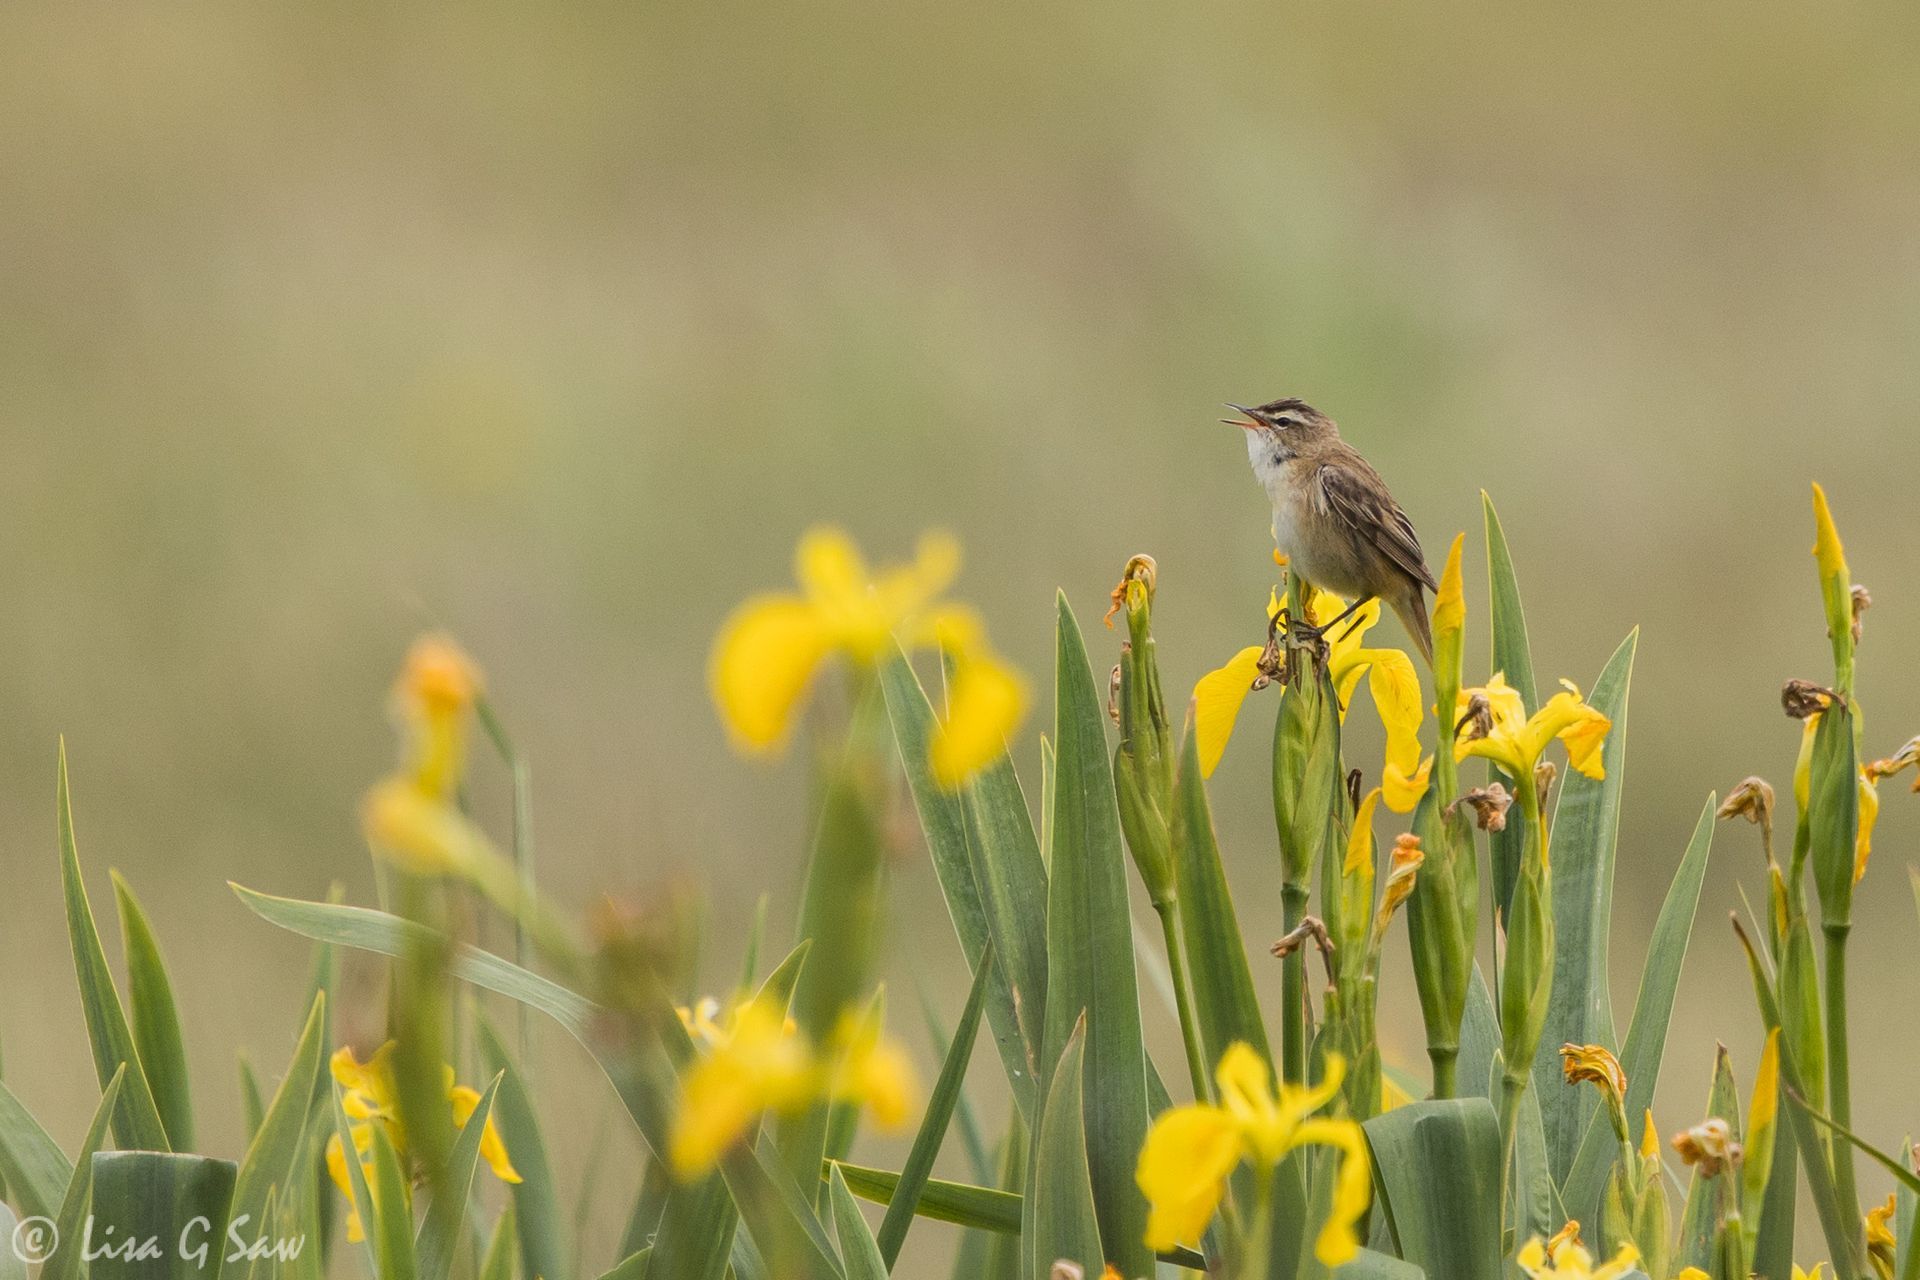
(1170, 930)
(1839, 1088)
(1293, 989)
(1258, 1242)
(1446, 1069)
(1512, 1088)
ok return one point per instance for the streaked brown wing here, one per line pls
(1354, 492)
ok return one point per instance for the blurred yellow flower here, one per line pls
(873, 1071)
(759, 1066)
(1565, 1258)
(1191, 1150)
(1819, 1269)
(1391, 679)
(368, 1098)
(418, 831)
(1492, 722)
(758, 1061)
(766, 655)
(430, 700)
(412, 817)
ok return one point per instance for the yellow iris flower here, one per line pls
(1565, 1258)
(1191, 1150)
(1514, 740)
(1391, 679)
(759, 1062)
(767, 654)
(412, 817)
(368, 1098)
(1881, 1246)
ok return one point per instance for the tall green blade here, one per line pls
(982, 1208)
(1065, 1221)
(148, 1195)
(988, 865)
(1224, 1002)
(504, 1245)
(35, 1169)
(779, 1215)
(359, 1192)
(1698, 1219)
(439, 1236)
(1090, 968)
(1586, 827)
(13, 1266)
(137, 1125)
(390, 1225)
(1647, 1033)
(272, 1155)
(1369, 1265)
(66, 1262)
(859, 1252)
(1436, 1165)
(156, 1022)
(365, 929)
(979, 1159)
(933, 1124)
(1513, 656)
(539, 1223)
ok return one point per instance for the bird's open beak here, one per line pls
(1237, 422)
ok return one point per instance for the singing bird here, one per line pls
(1333, 516)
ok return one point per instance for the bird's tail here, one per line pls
(1411, 608)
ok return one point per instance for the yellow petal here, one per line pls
(761, 1067)
(904, 591)
(1360, 839)
(1450, 604)
(1216, 705)
(1183, 1170)
(1826, 539)
(1863, 837)
(830, 569)
(1403, 790)
(1338, 1242)
(985, 704)
(494, 1151)
(1580, 727)
(763, 660)
(1395, 686)
(424, 834)
(1764, 1106)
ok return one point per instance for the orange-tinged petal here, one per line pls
(1216, 705)
(763, 660)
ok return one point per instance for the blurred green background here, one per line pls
(555, 325)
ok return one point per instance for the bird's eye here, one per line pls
(1284, 422)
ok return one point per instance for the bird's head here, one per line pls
(1280, 430)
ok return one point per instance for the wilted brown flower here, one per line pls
(1477, 719)
(1803, 698)
(1708, 1147)
(1752, 799)
(1908, 756)
(1135, 588)
(1489, 804)
(1861, 603)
